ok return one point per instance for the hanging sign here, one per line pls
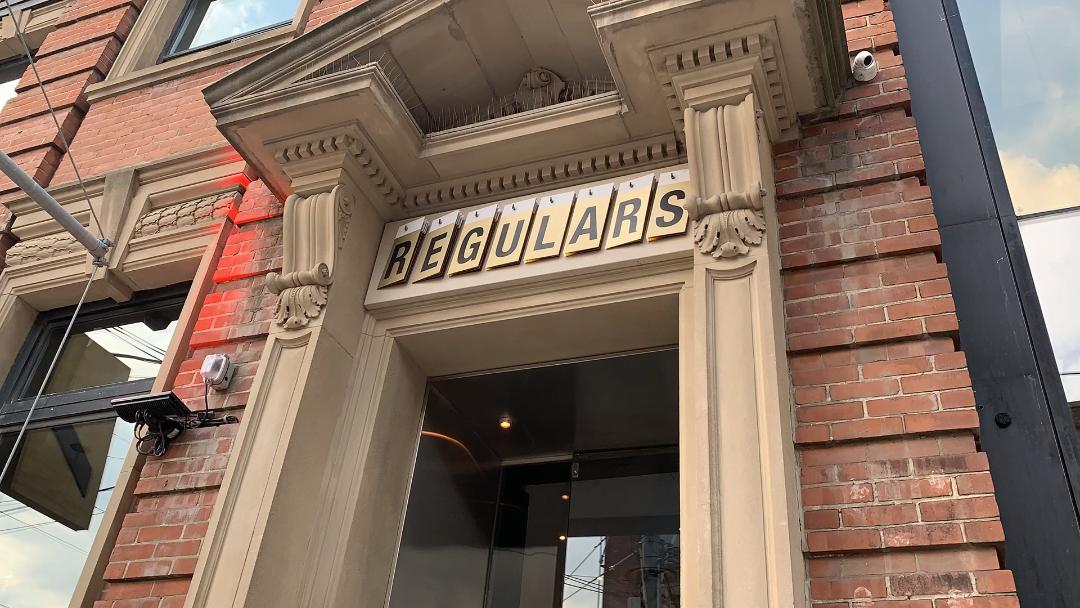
(530, 230)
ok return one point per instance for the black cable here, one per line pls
(153, 433)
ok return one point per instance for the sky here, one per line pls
(230, 18)
(1027, 58)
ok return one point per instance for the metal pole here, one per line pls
(98, 248)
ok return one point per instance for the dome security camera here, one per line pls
(865, 67)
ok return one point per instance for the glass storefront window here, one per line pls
(119, 353)
(1026, 54)
(65, 467)
(51, 505)
(549, 486)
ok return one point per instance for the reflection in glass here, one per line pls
(218, 20)
(112, 354)
(107, 352)
(574, 505)
(1052, 243)
(629, 504)
(1027, 58)
(51, 505)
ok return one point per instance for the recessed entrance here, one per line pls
(553, 485)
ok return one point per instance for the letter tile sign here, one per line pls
(631, 212)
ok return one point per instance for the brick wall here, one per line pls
(147, 124)
(325, 10)
(78, 53)
(899, 508)
(157, 547)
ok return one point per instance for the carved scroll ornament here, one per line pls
(314, 230)
(722, 148)
(727, 232)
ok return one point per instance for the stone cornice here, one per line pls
(715, 63)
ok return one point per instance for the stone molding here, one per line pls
(330, 149)
(314, 230)
(546, 175)
(746, 51)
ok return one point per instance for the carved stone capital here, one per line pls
(314, 231)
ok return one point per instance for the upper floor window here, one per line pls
(208, 22)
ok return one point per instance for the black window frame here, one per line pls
(17, 392)
(188, 24)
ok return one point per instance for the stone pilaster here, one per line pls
(737, 452)
(329, 238)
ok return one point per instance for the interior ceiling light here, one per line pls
(505, 423)
(562, 537)
(566, 497)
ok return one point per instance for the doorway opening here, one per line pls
(547, 486)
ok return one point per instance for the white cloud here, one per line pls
(1035, 187)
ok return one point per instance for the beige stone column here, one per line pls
(330, 237)
(740, 529)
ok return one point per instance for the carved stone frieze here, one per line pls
(314, 230)
(41, 248)
(188, 213)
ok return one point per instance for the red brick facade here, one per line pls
(899, 508)
(79, 52)
(157, 547)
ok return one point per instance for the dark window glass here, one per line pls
(113, 350)
(207, 22)
(51, 504)
(550, 486)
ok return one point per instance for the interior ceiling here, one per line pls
(613, 403)
(478, 50)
